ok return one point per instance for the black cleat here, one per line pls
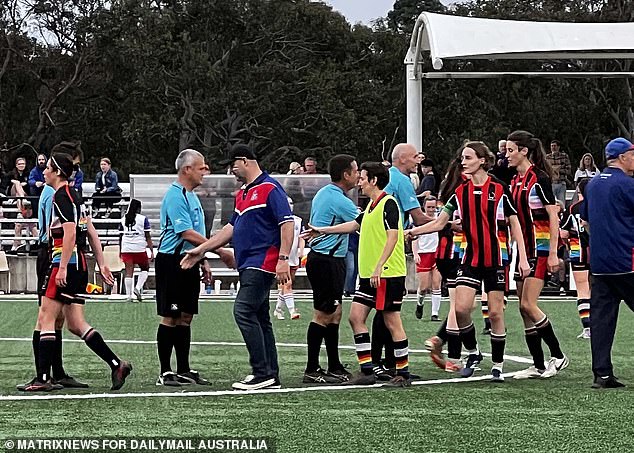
(472, 365)
(119, 374)
(419, 311)
(486, 331)
(38, 386)
(341, 373)
(320, 376)
(192, 377)
(382, 373)
(168, 379)
(609, 382)
(69, 382)
(22, 387)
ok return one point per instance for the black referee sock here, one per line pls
(314, 336)
(454, 345)
(390, 358)
(331, 339)
(468, 338)
(182, 343)
(547, 333)
(498, 344)
(442, 331)
(45, 353)
(36, 350)
(58, 368)
(378, 337)
(95, 342)
(534, 343)
(165, 344)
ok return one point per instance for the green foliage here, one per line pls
(139, 80)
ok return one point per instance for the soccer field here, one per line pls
(560, 414)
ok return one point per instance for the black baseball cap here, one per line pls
(240, 151)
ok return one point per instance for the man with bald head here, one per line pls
(404, 161)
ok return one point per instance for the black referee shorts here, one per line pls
(177, 289)
(327, 277)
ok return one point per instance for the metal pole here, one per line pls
(414, 91)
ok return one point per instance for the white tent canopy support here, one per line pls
(466, 38)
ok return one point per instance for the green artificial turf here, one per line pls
(560, 414)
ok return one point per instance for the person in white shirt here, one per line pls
(587, 168)
(285, 294)
(134, 239)
(424, 249)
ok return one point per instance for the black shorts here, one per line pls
(387, 297)
(42, 264)
(327, 277)
(448, 268)
(494, 278)
(177, 289)
(539, 268)
(76, 281)
(579, 266)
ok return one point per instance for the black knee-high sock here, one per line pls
(401, 352)
(468, 338)
(534, 343)
(95, 342)
(378, 337)
(583, 306)
(442, 331)
(547, 333)
(46, 352)
(454, 345)
(498, 344)
(390, 358)
(332, 346)
(36, 351)
(58, 368)
(182, 345)
(314, 336)
(165, 344)
(364, 356)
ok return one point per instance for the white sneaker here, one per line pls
(554, 366)
(529, 373)
(585, 334)
(295, 314)
(278, 314)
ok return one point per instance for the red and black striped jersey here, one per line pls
(445, 250)
(531, 194)
(482, 210)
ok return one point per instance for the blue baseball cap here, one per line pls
(617, 147)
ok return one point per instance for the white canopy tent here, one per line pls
(467, 38)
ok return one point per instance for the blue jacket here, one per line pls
(37, 174)
(112, 182)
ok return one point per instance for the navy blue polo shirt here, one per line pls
(331, 207)
(261, 207)
(609, 209)
(180, 211)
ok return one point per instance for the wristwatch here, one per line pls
(283, 258)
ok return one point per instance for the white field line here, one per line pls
(324, 388)
(512, 358)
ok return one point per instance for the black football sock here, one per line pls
(165, 344)
(95, 342)
(331, 339)
(58, 368)
(182, 345)
(314, 336)
(547, 333)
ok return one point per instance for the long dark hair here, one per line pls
(453, 179)
(134, 208)
(536, 154)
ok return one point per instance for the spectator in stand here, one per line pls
(310, 166)
(36, 181)
(587, 169)
(430, 184)
(562, 171)
(501, 169)
(295, 168)
(78, 180)
(107, 190)
(19, 187)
